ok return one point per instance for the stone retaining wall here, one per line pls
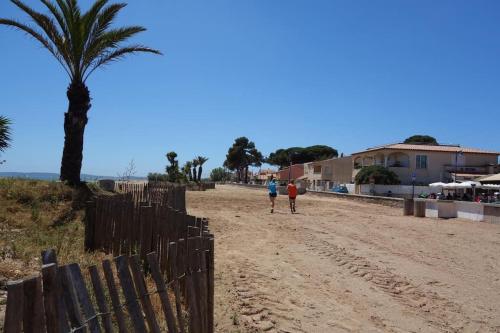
(386, 201)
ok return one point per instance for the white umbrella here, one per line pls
(490, 186)
(469, 184)
(451, 185)
(438, 184)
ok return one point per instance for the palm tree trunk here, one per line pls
(194, 173)
(190, 175)
(200, 169)
(75, 121)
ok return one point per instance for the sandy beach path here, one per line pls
(344, 266)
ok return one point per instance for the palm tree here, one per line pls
(4, 133)
(201, 160)
(81, 43)
(194, 164)
(187, 170)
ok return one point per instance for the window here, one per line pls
(317, 169)
(421, 161)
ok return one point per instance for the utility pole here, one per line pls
(456, 163)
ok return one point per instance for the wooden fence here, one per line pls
(117, 225)
(60, 300)
(152, 240)
(161, 193)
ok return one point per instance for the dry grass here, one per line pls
(37, 215)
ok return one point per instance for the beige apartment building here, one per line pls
(429, 163)
(323, 175)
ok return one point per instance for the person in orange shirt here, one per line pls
(292, 194)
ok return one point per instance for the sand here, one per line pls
(344, 266)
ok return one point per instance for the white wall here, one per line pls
(397, 190)
(470, 210)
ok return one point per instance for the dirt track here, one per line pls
(342, 266)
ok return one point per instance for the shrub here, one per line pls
(379, 174)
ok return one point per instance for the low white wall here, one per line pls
(473, 211)
(397, 190)
(446, 209)
(351, 188)
(431, 208)
(470, 210)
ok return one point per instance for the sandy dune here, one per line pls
(342, 266)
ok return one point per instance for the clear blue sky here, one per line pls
(350, 74)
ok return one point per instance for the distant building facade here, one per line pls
(297, 171)
(323, 175)
(429, 164)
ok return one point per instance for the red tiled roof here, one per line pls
(447, 149)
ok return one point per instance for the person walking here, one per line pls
(292, 195)
(273, 193)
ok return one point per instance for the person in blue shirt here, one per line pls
(272, 187)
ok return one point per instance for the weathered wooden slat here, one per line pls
(199, 282)
(162, 292)
(51, 296)
(192, 288)
(140, 285)
(203, 288)
(33, 310)
(172, 258)
(117, 211)
(182, 265)
(133, 307)
(146, 230)
(84, 298)
(115, 298)
(14, 311)
(210, 287)
(101, 299)
(70, 297)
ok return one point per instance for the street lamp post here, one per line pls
(413, 179)
(456, 163)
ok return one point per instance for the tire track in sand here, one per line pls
(436, 310)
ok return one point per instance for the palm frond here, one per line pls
(36, 35)
(106, 17)
(106, 41)
(51, 31)
(89, 19)
(59, 15)
(81, 43)
(118, 54)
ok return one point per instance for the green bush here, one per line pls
(379, 174)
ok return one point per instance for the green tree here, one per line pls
(377, 173)
(299, 155)
(4, 133)
(241, 155)
(201, 160)
(157, 177)
(219, 175)
(421, 140)
(81, 43)
(194, 163)
(173, 172)
(187, 170)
